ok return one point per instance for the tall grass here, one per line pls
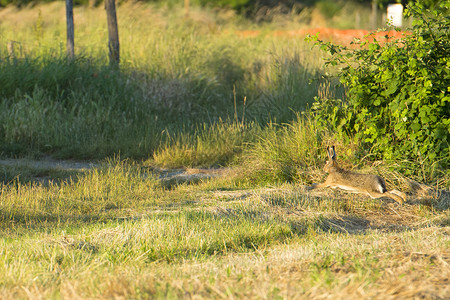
(207, 146)
(176, 76)
(183, 88)
(292, 152)
(80, 199)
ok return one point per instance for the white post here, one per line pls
(395, 15)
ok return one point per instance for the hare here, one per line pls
(372, 185)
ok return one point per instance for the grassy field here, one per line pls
(176, 76)
(117, 231)
(198, 160)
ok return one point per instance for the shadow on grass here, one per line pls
(45, 171)
(353, 225)
(43, 177)
(301, 213)
(335, 212)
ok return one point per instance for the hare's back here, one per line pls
(355, 181)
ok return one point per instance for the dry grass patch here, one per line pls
(340, 248)
(214, 239)
(380, 266)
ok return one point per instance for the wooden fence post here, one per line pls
(11, 51)
(70, 29)
(113, 33)
(186, 8)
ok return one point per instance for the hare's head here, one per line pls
(331, 164)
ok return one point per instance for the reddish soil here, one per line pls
(341, 36)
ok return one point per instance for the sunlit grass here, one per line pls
(89, 197)
(207, 146)
(250, 243)
(116, 230)
(123, 229)
(176, 76)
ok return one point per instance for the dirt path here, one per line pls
(48, 163)
(169, 177)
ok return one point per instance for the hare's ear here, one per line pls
(332, 153)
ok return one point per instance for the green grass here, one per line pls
(176, 77)
(124, 229)
(26, 174)
(208, 146)
(117, 231)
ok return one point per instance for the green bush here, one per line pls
(397, 93)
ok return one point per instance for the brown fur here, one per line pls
(369, 184)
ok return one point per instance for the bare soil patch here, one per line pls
(48, 163)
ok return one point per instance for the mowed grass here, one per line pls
(116, 231)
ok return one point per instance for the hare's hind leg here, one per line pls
(394, 197)
(397, 195)
(386, 194)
